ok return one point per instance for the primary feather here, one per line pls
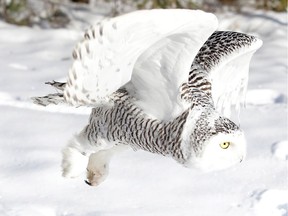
(224, 63)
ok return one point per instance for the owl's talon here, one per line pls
(87, 182)
(95, 178)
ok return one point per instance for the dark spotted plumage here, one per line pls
(125, 123)
(219, 44)
(55, 98)
(58, 85)
(204, 129)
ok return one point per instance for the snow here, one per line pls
(264, 96)
(139, 183)
(280, 150)
(271, 202)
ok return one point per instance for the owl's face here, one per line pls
(217, 143)
(221, 151)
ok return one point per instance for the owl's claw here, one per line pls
(87, 182)
(94, 178)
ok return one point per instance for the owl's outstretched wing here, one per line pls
(224, 61)
(152, 48)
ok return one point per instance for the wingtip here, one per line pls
(258, 43)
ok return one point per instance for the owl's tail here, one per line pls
(56, 98)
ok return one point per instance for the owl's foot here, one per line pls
(73, 162)
(96, 177)
(98, 167)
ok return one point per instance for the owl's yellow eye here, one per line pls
(225, 145)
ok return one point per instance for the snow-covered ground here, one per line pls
(31, 138)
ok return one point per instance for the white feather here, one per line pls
(164, 67)
(161, 44)
(229, 78)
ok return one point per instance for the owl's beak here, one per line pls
(241, 158)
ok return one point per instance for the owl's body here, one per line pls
(124, 123)
(151, 98)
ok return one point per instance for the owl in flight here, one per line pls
(163, 81)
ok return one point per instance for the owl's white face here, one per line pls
(221, 151)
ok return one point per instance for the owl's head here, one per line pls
(216, 143)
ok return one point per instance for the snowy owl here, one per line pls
(163, 81)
